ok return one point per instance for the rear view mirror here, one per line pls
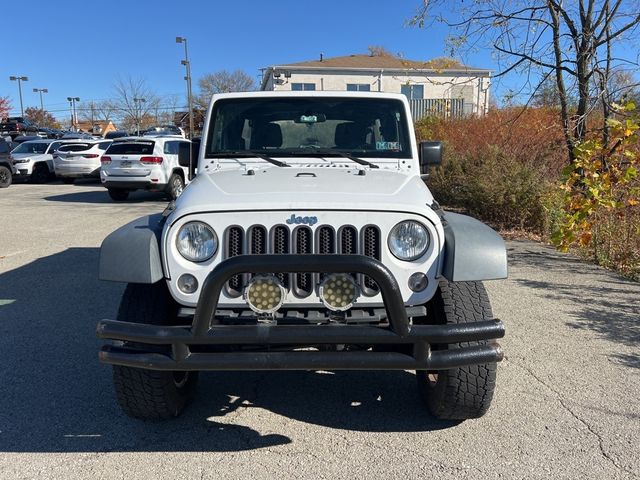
(430, 154)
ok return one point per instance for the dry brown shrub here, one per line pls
(501, 167)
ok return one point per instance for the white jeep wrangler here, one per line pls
(307, 241)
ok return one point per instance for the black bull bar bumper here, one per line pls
(170, 347)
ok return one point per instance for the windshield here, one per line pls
(29, 147)
(365, 127)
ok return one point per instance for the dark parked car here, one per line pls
(15, 126)
(115, 134)
(25, 138)
(6, 169)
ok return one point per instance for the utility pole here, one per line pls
(41, 91)
(72, 104)
(137, 102)
(187, 65)
(19, 80)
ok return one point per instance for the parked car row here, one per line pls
(20, 126)
(154, 163)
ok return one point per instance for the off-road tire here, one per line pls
(40, 173)
(5, 177)
(118, 194)
(175, 186)
(465, 392)
(149, 394)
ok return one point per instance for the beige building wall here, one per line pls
(473, 89)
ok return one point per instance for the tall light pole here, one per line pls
(72, 104)
(187, 65)
(19, 80)
(41, 91)
(137, 102)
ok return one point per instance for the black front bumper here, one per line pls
(181, 347)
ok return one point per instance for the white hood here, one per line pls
(294, 188)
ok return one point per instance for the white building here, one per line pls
(438, 87)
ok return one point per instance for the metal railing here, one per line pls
(439, 107)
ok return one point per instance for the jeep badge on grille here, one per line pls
(298, 220)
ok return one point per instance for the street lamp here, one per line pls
(19, 80)
(138, 101)
(41, 91)
(72, 105)
(187, 65)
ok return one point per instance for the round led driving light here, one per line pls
(196, 241)
(264, 294)
(408, 240)
(187, 283)
(338, 292)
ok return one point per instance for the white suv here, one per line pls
(34, 159)
(149, 163)
(79, 159)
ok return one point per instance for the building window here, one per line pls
(413, 92)
(358, 87)
(303, 86)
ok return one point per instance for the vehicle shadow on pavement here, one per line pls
(613, 306)
(57, 397)
(102, 196)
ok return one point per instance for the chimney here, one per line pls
(321, 56)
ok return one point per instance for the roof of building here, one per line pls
(366, 61)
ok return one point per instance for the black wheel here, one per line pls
(149, 394)
(40, 173)
(465, 392)
(5, 177)
(68, 180)
(175, 186)
(118, 194)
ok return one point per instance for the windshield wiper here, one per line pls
(337, 153)
(247, 154)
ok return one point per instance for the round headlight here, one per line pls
(196, 241)
(408, 240)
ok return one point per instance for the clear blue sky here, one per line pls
(80, 50)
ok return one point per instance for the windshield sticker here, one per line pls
(393, 146)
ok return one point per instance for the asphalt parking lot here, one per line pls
(567, 404)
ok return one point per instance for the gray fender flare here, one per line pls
(472, 251)
(131, 254)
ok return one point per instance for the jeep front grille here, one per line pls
(281, 239)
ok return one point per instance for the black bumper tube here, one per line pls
(142, 342)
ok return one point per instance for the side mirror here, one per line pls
(430, 155)
(186, 157)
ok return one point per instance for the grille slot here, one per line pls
(348, 240)
(258, 243)
(234, 247)
(281, 245)
(326, 240)
(349, 243)
(303, 245)
(370, 248)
